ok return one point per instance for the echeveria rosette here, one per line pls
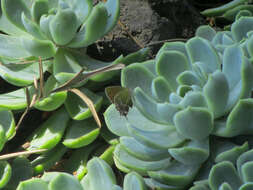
(176, 109)
(240, 33)
(231, 168)
(55, 29)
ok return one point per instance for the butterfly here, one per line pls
(121, 97)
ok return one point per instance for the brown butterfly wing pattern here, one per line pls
(121, 97)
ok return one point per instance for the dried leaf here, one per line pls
(41, 78)
(80, 76)
(12, 155)
(89, 104)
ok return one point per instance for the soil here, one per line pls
(147, 21)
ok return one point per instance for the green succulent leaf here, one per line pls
(169, 64)
(31, 184)
(81, 133)
(194, 123)
(116, 123)
(247, 172)
(193, 99)
(94, 28)
(77, 109)
(100, 175)
(231, 14)
(165, 137)
(188, 78)
(44, 25)
(133, 181)
(224, 172)
(141, 151)
(21, 74)
(5, 173)
(7, 122)
(200, 50)
(51, 101)
(12, 47)
(39, 8)
(246, 186)
(39, 48)
(160, 89)
(49, 159)
(241, 116)
(176, 174)
(64, 181)
(136, 75)
(242, 160)
(205, 32)
(192, 153)
(49, 134)
(13, 101)
(63, 26)
(231, 154)
(65, 65)
(32, 27)
(140, 166)
(2, 138)
(13, 10)
(240, 28)
(222, 9)
(113, 8)
(217, 86)
(21, 170)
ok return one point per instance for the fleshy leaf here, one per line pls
(176, 174)
(224, 172)
(65, 181)
(12, 47)
(113, 8)
(50, 132)
(32, 184)
(36, 47)
(21, 170)
(200, 50)
(32, 28)
(63, 26)
(81, 133)
(21, 74)
(133, 181)
(241, 116)
(39, 8)
(13, 10)
(137, 165)
(5, 173)
(217, 86)
(194, 123)
(100, 174)
(78, 109)
(141, 151)
(93, 29)
(8, 123)
(241, 27)
(169, 64)
(206, 32)
(137, 75)
(192, 153)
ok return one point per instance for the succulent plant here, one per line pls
(187, 93)
(230, 168)
(51, 37)
(223, 39)
(100, 176)
(230, 11)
